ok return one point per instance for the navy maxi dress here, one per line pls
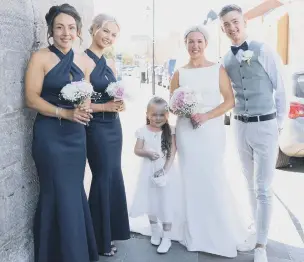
(107, 197)
(63, 230)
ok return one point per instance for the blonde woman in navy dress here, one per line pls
(63, 230)
(107, 197)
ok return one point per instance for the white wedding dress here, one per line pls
(211, 222)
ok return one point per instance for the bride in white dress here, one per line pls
(211, 223)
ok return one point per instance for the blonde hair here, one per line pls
(100, 20)
(197, 28)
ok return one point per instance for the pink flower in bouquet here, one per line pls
(178, 102)
(119, 92)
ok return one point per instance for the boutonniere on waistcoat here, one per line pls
(247, 55)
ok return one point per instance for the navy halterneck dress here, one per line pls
(63, 230)
(107, 197)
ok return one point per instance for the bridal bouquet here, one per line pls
(184, 102)
(77, 92)
(118, 90)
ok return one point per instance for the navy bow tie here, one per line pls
(243, 46)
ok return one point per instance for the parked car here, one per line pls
(291, 140)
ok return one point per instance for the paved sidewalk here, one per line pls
(286, 233)
(140, 250)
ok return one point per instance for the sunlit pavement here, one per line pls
(286, 238)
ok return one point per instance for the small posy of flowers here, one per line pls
(118, 90)
(184, 102)
(77, 92)
(247, 55)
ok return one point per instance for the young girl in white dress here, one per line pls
(156, 145)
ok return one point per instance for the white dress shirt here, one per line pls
(273, 66)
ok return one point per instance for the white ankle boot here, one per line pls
(155, 235)
(260, 255)
(165, 244)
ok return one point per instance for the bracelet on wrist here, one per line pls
(58, 113)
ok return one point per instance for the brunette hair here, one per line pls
(65, 9)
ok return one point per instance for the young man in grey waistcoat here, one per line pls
(260, 104)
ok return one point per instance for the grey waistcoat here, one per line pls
(252, 87)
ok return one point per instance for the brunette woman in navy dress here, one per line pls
(63, 230)
(107, 197)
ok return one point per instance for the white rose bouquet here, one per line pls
(77, 92)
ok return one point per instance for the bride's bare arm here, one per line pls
(227, 93)
(174, 84)
(169, 161)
